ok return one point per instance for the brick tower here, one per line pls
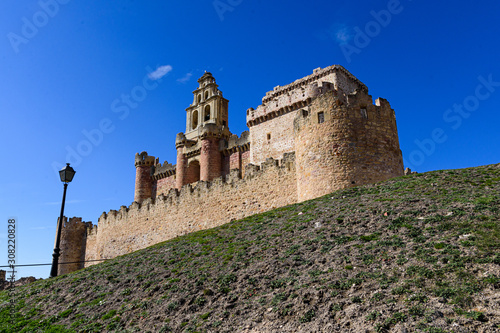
(199, 148)
(143, 180)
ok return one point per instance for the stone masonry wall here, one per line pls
(235, 160)
(206, 206)
(245, 160)
(299, 92)
(164, 185)
(356, 144)
(73, 244)
(281, 131)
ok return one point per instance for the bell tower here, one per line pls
(208, 107)
(199, 148)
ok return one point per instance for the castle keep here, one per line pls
(316, 135)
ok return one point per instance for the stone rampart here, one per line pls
(73, 244)
(272, 138)
(207, 205)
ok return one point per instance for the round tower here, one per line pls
(345, 141)
(143, 179)
(73, 240)
(210, 155)
(181, 167)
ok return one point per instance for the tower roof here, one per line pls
(206, 75)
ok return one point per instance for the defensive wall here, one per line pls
(206, 205)
(314, 136)
(73, 244)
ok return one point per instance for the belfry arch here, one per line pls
(207, 113)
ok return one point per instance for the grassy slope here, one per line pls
(420, 252)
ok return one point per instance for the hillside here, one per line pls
(419, 253)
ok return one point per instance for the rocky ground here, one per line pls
(5, 284)
(420, 253)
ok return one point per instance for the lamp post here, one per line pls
(66, 174)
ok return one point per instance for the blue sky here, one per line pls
(94, 82)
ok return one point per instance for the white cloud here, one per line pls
(186, 78)
(341, 33)
(160, 72)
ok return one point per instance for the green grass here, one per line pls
(394, 250)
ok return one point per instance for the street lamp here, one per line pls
(66, 174)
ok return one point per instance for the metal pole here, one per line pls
(55, 255)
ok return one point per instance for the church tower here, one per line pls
(208, 107)
(199, 148)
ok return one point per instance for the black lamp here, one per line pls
(67, 173)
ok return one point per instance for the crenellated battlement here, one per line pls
(143, 159)
(237, 144)
(318, 74)
(300, 93)
(163, 171)
(202, 188)
(204, 205)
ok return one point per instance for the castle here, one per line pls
(316, 135)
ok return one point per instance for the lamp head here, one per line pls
(67, 173)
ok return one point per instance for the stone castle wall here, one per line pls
(164, 185)
(279, 130)
(271, 124)
(346, 145)
(299, 93)
(73, 245)
(205, 206)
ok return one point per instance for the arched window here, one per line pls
(207, 112)
(199, 98)
(206, 95)
(194, 120)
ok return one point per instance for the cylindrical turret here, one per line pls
(143, 179)
(180, 169)
(73, 240)
(182, 161)
(210, 156)
(210, 159)
(339, 146)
